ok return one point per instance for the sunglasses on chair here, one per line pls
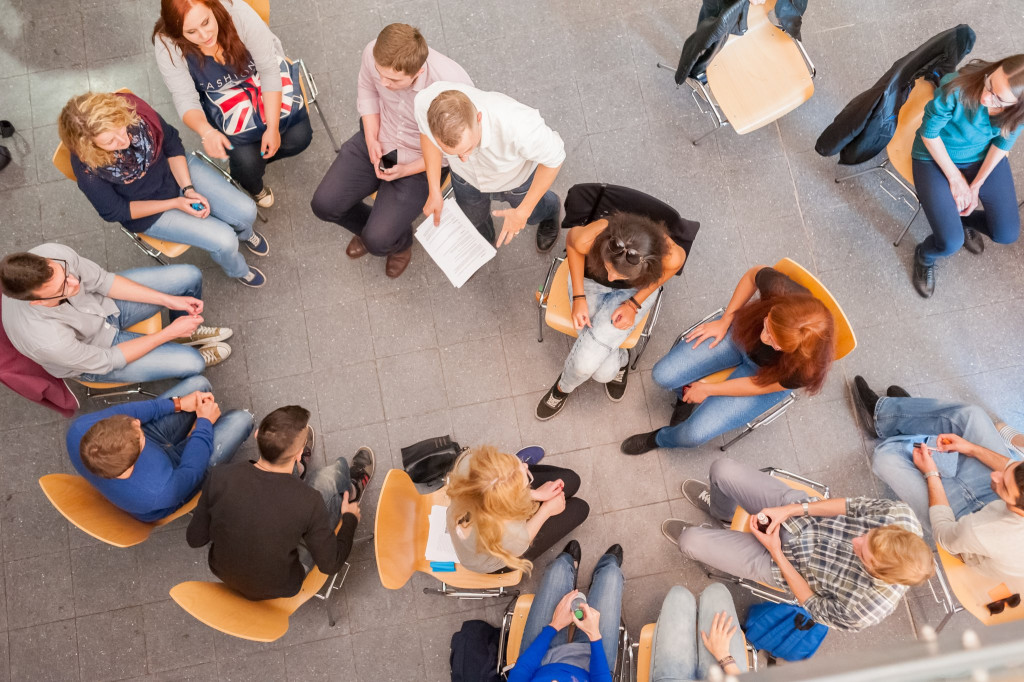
(996, 607)
(617, 248)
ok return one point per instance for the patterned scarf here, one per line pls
(132, 163)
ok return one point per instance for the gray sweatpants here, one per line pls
(740, 554)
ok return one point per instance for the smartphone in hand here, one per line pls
(389, 160)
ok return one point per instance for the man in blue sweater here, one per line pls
(149, 458)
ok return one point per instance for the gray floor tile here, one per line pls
(31, 452)
(624, 482)
(392, 653)
(44, 652)
(31, 526)
(326, 279)
(175, 639)
(266, 338)
(493, 423)
(401, 323)
(532, 365)
(475, 371)
(49, 92)
(263, 665)
(557, 435)
(112, 645)
(323, 660)
(588, 466)
(166, 560)
(102, 43)
(470, 312)
(409, 430)
(349, 396)
(339, 335)
(105, 578)
(638, 531)
(370, 604)
(56, 42)
(411, 384)
(267, 396)
(630, 414)
(608, 99)
(39, 590)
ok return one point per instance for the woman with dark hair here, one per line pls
(615, 265)
(232, 85)
(959, 158)
(782, 341)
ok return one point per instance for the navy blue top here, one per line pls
(529, 669)
(112, 199)
(156, 487)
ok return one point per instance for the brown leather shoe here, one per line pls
(356, 248)
(397, 263)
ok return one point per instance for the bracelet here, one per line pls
(187, 188)
(726, 661)
(579, 296)
(177, 403)
(636, 303)
(203, 138)
(932, 473)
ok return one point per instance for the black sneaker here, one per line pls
(865, 399)
(924, 275)
(973, 241)
(639, 444)
(616, 551)
(307, 451)
(552, 402)
(361, 470)
(897, 392)
(547, 233)
(681, 412)
(616, 388)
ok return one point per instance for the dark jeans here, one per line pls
(477, 205)
(386, 227)
(557, 527)
(999, 221)
(247, 166)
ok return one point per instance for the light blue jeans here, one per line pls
(596, 354)
(605, 595)
(171, 431)
(167, 361)
(232, 214)
(718, 414)
(902, 421)
(679, 653)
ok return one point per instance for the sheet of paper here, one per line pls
(439, 542)
(455, 245)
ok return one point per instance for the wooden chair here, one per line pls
(510, 642)
(400, 542)
(898, 163)
(756, 78)
(87, 509)
(645, 649)
(972, 590)
(150, 325)
(846, 341)
(152, 247)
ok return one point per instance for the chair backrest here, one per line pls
(87, 509)
(395, 529)
(524, 603)
(62, 160)
(846, 341)
(262, 8)
(643, 654)
(907, 123)
(974, 589)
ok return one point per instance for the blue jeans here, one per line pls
(171, 431)
(678, 652)
(477, 205)
(230, 221)
(718, 414)
(999, 221)
(605, 595)
(901, 421)
(596, 354)
(332, 481)
(170, 360)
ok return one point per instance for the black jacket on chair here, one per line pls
(867, 123)
(720, 18)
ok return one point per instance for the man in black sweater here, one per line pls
(266, 527)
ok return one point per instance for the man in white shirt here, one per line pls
(384, 155)
(973, 499)
(498, 149)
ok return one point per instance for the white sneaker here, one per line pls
(204, 335)
(215, 353)
(265, 199)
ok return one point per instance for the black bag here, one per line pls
(429, 461)
(474, 656)
(5, 156)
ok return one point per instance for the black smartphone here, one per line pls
(388, 160)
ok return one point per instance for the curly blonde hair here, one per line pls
(487, 489)
(86, 116)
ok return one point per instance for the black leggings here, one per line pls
(248, 167)
(557, 527)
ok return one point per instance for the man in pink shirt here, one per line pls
(385, 156)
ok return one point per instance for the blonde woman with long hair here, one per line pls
(504, 513)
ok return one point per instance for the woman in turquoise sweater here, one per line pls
(959, 158)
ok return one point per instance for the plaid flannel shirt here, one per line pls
(846, 596)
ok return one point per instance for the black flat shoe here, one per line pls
(616, 551)
(897, 392)
(924, 275)
(572, 548)
(973, 241)
(639, 444)
(865, 399)
(681, 412)
(547, 234)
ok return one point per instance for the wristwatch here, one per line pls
(807, 507)
(177, 403)
(186, 188)
(932, 473)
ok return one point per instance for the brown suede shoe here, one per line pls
(356, 248)
(397, 263)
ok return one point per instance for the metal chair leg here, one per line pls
(710, 132)
(227, 176)
(327, 127)
(862, 172)
(906, 228)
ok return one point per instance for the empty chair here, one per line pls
(988, 599)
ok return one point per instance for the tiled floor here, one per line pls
(387, 363)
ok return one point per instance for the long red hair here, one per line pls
(169, 25)
(805, 332)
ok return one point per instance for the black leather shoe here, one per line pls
(865, 399)
(897, 392)
(924, 275)
(639, 444)
(973, 241)
(547, 234)
(572, 548)
(681, 412)
(616, 551)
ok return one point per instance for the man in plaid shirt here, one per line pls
(848, 561)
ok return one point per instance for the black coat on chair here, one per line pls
(865, 126)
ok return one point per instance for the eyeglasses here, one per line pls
(1001, 102)
(64, 286)
(996, 607)
(617, 248)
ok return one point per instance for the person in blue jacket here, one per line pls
(959, 162)
(150, 457)
(590, 656)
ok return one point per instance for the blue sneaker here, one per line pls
(257, 244)
(254, 279)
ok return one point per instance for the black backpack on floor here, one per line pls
(429, 461)
(474, 655)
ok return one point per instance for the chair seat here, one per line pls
(151, 325)
(760, 76)
(169, 249)
(974, 590)
(910, 116)
(559, 311)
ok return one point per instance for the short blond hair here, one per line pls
(449, 115)
(900, 557)
(86, 116)
(401, 47)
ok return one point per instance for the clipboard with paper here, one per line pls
(455, 245)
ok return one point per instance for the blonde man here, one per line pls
(848, 561)
(498, 150)
(384, 156)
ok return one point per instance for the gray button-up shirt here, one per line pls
(74, 337)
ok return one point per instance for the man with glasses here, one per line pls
(71, 316)
(955, 469)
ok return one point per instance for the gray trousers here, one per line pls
(740, 554)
